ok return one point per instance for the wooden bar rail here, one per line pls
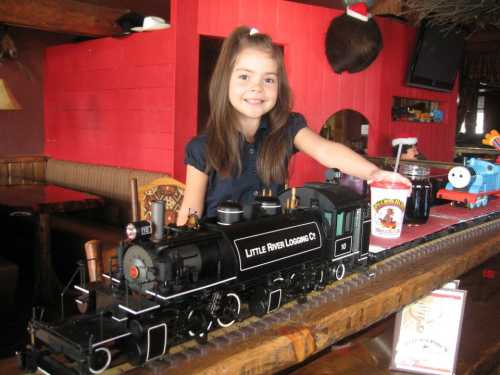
(389, 162)
(296, 332)
(484, 151)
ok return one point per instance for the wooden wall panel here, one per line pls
(110, 101)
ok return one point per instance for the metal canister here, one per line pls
(418, 204)
(229, 212)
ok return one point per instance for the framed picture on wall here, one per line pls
(416, 110)
(427, 333)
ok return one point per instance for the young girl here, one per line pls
(251, 132)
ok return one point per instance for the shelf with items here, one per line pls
(416, 110)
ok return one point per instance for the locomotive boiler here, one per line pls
(172, 284)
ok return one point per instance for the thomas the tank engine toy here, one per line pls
(472, 183)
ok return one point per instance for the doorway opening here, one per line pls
(209, 52)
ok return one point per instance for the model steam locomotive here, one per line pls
(472, 183)
(172, 284)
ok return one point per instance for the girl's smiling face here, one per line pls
(253, 87)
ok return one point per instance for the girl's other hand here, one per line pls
(381, 175)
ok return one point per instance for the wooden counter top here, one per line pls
(287, 337)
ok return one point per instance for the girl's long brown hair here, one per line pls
(224, 140)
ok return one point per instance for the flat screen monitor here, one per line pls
(436, 58)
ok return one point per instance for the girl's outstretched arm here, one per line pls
(194, 194)
(335, 155)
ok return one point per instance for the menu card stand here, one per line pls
(427, 333)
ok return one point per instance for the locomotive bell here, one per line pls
(229, 212)
(269, 205)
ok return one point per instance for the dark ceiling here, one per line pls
(159, 8)
(94, 18)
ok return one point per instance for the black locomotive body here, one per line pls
(186, 281)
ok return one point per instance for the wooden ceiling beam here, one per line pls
(61, 16)
(335, 4)
(386, 7)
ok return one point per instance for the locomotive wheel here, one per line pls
(299, 286)
(258, 302)
(231, 307)
(99, 360)
(484, 200)
(136, 328)
(27, 360)
(297, 283)
(198, 325)
(320, 280)
(340, 271)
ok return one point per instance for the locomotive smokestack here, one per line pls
(158, 219)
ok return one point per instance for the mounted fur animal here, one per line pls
(8, 49)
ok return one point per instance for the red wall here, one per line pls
(110, 101)
(436, 140)
(132, 102)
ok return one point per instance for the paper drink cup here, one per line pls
(388, 201)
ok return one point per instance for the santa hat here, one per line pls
(404, 141)
(359, 11)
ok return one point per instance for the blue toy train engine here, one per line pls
(472, 183)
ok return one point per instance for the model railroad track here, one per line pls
(452, 242)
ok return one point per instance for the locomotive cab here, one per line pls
(346, 222)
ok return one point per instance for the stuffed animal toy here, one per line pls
(492, 139)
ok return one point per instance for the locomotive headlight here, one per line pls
(460, 177)
(138, 229)
(131, 231)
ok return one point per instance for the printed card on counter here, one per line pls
(427, 333)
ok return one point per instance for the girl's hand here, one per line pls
(381, 175)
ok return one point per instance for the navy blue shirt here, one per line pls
(245, 187)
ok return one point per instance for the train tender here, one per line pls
(472, 183)
(172, 284)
